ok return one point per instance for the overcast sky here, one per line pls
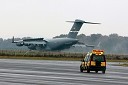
(46, 18)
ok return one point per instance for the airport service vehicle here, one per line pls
(94, 61)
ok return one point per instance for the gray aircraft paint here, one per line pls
(75, 28)
(55, 43)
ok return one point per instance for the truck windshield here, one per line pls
(98, 58)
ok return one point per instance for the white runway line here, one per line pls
(28, 76)
(108, 74)
(60, 73)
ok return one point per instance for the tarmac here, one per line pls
(51, 72)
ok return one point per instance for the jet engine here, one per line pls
(40, 47)
(32, 47)
(37, 46)
(19, 44)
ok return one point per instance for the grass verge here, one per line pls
(41, 58)
(54, 58)
(121, 60)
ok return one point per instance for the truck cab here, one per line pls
(94, 61)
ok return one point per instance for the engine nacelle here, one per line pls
(36, 46)
(19, 44)
(26, 44)
(32, 47)
(40, 47)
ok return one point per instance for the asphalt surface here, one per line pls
(45, 72)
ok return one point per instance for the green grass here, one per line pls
(53, 58)
(48, 55)
(115, 60)
(41, 58)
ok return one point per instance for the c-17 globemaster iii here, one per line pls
(54, 43)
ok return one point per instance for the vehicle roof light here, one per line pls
(98, 52)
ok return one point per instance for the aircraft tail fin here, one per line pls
(76, 27)
(13, 41)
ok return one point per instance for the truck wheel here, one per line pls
(81, 70)
(88, 70)
(103, 72)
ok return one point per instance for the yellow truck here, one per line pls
(94, 61)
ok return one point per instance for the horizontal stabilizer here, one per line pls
(90, 46)
(76, 27)
(81, 21)
(13, 41)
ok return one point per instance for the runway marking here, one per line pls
(26, 76)
(53, 78)
(42, 82)
(57, 73)
(69, 74)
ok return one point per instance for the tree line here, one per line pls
(112, 44)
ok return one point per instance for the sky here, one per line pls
(46, 18)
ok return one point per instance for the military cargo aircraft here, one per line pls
(54, 43)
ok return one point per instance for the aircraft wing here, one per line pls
(35, 42)
(90, 46)
(83, 45)
(34, 39)
(26, 42)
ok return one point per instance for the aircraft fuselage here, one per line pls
(55, 44)
(60, 43)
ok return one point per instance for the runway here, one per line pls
(48, 72)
